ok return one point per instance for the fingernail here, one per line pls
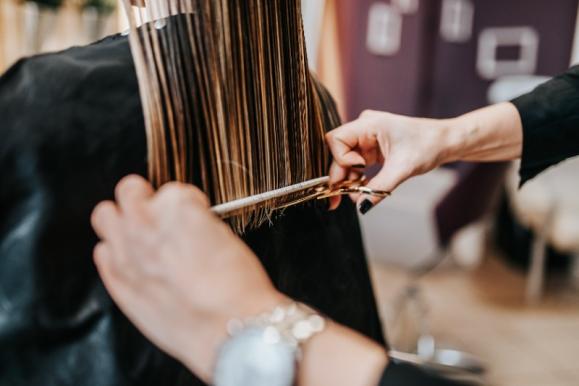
(365, 206)
(359, 166)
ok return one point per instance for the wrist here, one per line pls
(263, 350)
(454, 135)
(493, 133)
(204, 336)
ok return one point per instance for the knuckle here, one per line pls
(129, 188)
(341, 161)
(99, 251)
(368, 113)
(133, 230)
(127, 184)
(179, 193)
(172, 186)
(171, 190)
(98, 209)
(408, 169)
(330, 137)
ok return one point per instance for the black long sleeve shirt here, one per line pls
(550, 116)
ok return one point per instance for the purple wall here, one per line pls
(449, 51)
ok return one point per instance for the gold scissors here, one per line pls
(315, 189)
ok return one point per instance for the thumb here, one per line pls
(386, 180)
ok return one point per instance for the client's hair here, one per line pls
(228, 99)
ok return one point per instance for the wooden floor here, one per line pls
(483, 312)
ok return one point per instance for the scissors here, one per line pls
(315, 189)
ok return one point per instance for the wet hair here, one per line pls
(228, 99)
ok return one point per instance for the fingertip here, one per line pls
(328, 136)
(366, 197)
(176, 192)
(131, 181)
(354, 197)
(366, 203)
(367, 113)
(365, 206)
(334, 203)
(386, 180)
(353, 159)
(337, 173)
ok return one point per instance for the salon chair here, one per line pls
(548, 205)
(418, 224)
(469, 201)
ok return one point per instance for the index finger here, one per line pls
(343, 141)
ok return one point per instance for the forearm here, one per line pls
(341, 357)
(492, 133)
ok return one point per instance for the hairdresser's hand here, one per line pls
(404, 146)
(176, 270)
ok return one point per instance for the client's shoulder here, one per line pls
(84, 91)
(57, 75)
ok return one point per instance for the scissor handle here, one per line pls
(352, 187)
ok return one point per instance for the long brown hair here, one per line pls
(228, 99)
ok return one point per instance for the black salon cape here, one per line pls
(550, 118)
(71, 126)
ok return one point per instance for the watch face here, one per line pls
(253, 358)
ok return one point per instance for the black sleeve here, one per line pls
(404, 374)
(550, 116)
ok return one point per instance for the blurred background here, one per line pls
(475, 277)
(31, 27)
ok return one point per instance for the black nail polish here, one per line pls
(359, 166)
(365, 206)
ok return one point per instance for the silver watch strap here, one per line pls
(294, 323)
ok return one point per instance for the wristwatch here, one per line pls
(265, 350)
